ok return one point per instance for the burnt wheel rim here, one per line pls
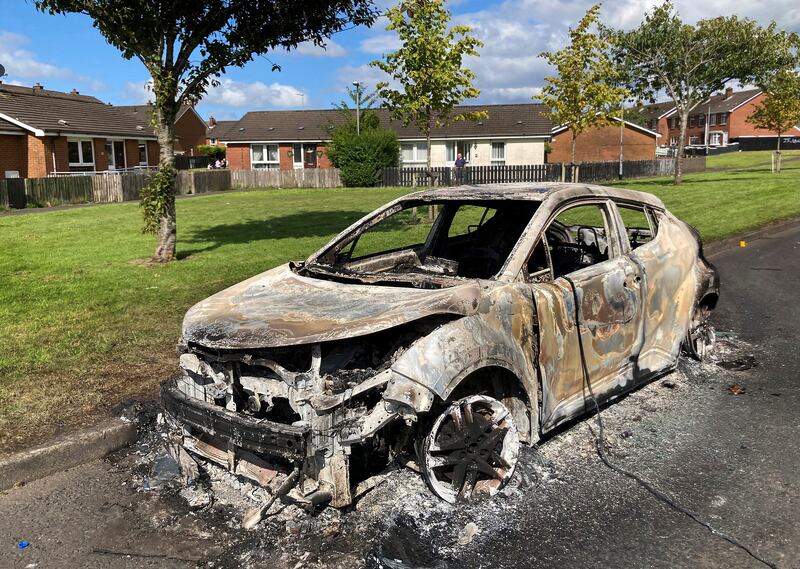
(701, 337)
(472, 449)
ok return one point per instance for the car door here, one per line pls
(667, 255)
(607, 285)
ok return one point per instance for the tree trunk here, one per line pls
(678, 178)
(167, 226)
(574, 144)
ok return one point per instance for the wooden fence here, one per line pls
(589, 172)
(310, 178)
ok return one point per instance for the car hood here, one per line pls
(282, 308)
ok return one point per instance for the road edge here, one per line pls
(712, 248)
(66, 452)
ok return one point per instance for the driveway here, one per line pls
(721, 440)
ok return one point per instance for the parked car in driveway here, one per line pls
(446, 343)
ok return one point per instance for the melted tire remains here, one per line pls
(472, 449)
(701, 338)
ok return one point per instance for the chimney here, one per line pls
(37, 88)
(728, 92)
(212, 121)
(74, 92)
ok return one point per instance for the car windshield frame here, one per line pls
(324, 260)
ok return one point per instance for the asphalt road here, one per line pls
(732, 459)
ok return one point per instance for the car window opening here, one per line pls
(574, 240)
(469, 240)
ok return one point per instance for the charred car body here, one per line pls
(455, 340)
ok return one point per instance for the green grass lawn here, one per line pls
(84, 326)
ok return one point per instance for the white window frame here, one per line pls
(139, 144)
(723, 119)
(501, 161)
(110, 157)
(79, 142)
(415, 160)
(265, 164)
(712, 119)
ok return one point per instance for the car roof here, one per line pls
(533, 191)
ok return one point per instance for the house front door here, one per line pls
(309, 156)
(115, 150)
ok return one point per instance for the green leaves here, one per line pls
(780, 110)
(585, 92)
(428, 66)
(157, 199)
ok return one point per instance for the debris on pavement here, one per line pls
(737, 389)
(468, 533)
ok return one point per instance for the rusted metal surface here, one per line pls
(341, 366)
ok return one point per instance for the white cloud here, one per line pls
(330, 49)
(23, 64)
(516, 31)
(379, 44)
(253, 96)
(138, 92)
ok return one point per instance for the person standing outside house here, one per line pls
(460, 164)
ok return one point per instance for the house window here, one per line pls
(143, 153)
(414, 154)
(723, 118)
(673, 141)
(692, 121)
(80, 153)
(712, 119)
(498, 153)
(715, 139)
(264, 157)
(701, 120)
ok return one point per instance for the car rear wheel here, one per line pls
(471, 450)
(700, 339)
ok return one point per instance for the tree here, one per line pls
(780, 110)
(213, 151)
(691, 62)
(361, 153)
(584, 93)
(185, 46)
(362, 156)
(428, 68)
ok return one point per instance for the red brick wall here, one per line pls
(287, 162)
(323, 161)
(602, 145)
(238, 156)
(190, 132)
(40, 155)
(152, 153)
(738, 125)
(12, 154)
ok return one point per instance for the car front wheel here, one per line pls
(471, 450)
(700, 339)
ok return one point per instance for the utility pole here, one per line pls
(708, 119)
(621, 136)
(357, 85)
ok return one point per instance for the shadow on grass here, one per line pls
(292, 226)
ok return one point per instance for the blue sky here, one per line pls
(65, 52)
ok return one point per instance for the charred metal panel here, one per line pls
(281, 308)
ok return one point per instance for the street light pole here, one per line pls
(302, 99)
(358, 107)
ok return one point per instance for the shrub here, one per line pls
(212, 151)
(360, 158)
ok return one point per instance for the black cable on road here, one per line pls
(599, 442)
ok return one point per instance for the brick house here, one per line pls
(603, 144)
(44, 132)
(512, 134)
(190, 128)
(718, 121)
(216, 129)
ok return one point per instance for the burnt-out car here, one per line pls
(441, 330)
